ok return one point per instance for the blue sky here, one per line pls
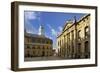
(53, 22)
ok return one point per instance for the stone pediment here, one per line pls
(68, 24)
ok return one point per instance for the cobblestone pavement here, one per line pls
(43, 58)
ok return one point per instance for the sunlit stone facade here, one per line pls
(74, 40)
(37, 46)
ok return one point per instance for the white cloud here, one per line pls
(28, 25)
(60, 28)
(31, 15)
(53, 31)
(48, 36)
(49, 26)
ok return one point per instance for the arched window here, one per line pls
(33, 47)
(79, 50)
(47, 47)
(28, 54)
(43, 47)
(28, 47)
(38, 47)
(86, 31)
(87, 53)
(86, 46)
(79, 34)
(47, 42)
(33, 53)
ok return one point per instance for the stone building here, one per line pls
(37, 45)
(74, 40)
